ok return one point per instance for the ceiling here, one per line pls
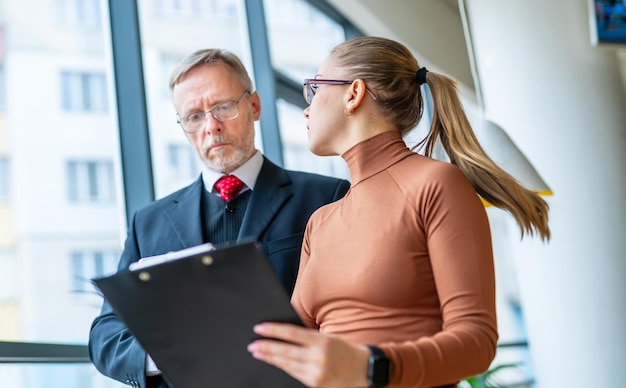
(432, 29)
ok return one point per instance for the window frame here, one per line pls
(134, 138)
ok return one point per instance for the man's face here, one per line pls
(222, 146)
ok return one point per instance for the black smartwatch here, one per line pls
(379, 369)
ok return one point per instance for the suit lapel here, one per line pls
(185, 215)
(272, 189)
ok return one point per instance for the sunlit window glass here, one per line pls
(84, 91)
(182, 165)
(83, 14)
(297, 155)
(170, 30)
(2, 66)
(90, 181)
(4, 179)
(58, 181)
(2, 83)
(90, 264)
(300, 38)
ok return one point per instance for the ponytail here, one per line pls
(451, 126)
(400, 101)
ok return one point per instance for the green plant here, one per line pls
(486, 380)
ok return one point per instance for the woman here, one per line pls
(396, 281)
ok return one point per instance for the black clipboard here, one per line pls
(194, 315)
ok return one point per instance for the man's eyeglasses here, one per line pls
(225, 111)
(309, 88)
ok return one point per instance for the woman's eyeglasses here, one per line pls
(309, 88)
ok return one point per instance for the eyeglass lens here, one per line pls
(223, 112)
(309, 93)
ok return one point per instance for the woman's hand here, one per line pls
(313, 358)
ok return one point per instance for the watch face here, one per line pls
(379, 368)
(380, 372)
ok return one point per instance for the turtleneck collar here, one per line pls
(375, 154)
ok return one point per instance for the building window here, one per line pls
(3, 87)
(89, 265)
(3, 82)
(79, 13)
(90, 181)
(182, 161)
(197, 8)
(283, 11)
(4, 179)
(167, 63)
(84, 91)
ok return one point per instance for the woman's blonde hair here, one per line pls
(390, 70)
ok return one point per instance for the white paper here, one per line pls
(174, 255)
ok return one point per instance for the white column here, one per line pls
(563, 103)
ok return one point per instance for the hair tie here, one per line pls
(420, 76)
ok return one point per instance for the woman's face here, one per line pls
(325, 116)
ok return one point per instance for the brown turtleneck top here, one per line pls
(403, 261)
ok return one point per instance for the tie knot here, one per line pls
(229, 186)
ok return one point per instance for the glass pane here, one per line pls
(296, 153)
(170, 30)
(59, 203)
(300, 38)
(53, 376)
(4, 176)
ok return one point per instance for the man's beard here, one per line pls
(226, 159)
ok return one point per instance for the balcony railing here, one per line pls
(22, 352)
(65, 354)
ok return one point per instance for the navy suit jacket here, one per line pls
(280, 205)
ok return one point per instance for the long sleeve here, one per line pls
(279, 208)
(404, 261)
(460, 251)
(112, 348)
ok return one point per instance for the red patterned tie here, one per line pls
(229, 186)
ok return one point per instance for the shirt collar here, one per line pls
(247, 172)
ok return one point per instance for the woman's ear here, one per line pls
(354, 96)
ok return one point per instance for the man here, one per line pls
(216, 107)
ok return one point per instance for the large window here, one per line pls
(298, 46)
(62, 200)
(58, 149)
(63, 162)
(171, 30)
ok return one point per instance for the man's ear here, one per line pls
(255, 101)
